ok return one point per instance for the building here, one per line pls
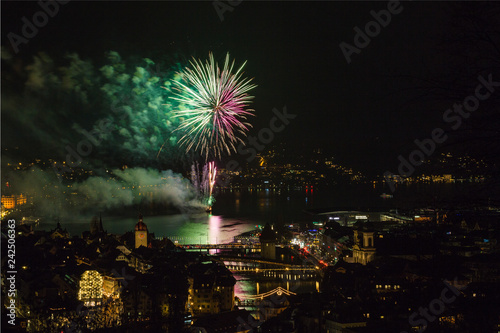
(137, 303)
(59, 232)
(363, 250)
(11, 201)
(91, 288)
(96, 226)
(348, 217)
(211, 288)
(111, 286)
(141, 233)
(268, 243)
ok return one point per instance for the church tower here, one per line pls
(268, 243)
(363, 250)
(141, 233)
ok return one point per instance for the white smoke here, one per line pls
(133, 186)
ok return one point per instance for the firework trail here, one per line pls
(213, 109)
(212, 173)
(204, 182)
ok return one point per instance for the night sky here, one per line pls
(365, 113)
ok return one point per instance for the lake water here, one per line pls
(239, 211)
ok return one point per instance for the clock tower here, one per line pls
(141, 233)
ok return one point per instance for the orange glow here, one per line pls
(10, 201)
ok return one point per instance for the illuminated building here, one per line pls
(8, 202)
(110, 287)
(363, 249)
(141, 233)
(91, 288)
(11, 201)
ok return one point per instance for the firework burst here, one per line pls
(214, 106)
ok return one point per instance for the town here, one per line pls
(377, 271)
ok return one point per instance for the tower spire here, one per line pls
(101, 229)
(141, 233)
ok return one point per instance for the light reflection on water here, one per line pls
(186, 229)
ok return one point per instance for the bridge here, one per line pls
(233, 268)
(230, 246)
(258, 260)
(292, 272)
(256, 300)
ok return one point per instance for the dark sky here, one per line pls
(365, 112)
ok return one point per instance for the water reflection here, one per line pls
(214, 229)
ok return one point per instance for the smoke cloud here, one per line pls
(55, 109)
(130, 187)
(58, 104)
